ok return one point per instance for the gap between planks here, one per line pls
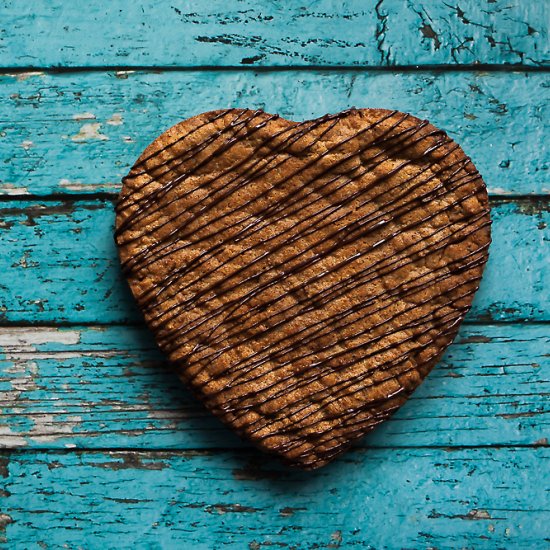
(112, 196)
(247, 449)
(474, 67)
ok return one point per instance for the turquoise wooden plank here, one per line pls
(80, 133)
(103, 387)
(260, 32)
(441, 473)
(384, 498)
(60, 264)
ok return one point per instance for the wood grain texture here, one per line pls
(61, 265)
(376, 32)
(408, 498)
(70, 130)
(81, 132)
(101, 387)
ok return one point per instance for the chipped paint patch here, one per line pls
(11, 396)
(499, 191)
(13, 190)
(27, 382)
(4, 520)
(47, 427)
(16, 344)
(20, 77)
(80, 187)
(478, 514)
(84, 116)
(115, 120)
(127, 139)
(24, 338)
(123, 74)
(25, 261)
(336, 539)
(88, 132)
(27, 144)
(11, 439)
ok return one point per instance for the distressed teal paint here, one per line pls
(80, 133)
(65, 265)
(101, 387)
(372, 498)
(61, 264)
(259, 32)
(464, 464)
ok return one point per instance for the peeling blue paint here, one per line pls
(102, 445)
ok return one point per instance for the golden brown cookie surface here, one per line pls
(304, 277)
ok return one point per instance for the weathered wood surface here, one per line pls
(408, 498)
(259, 32)
(80, 132)
(102, 446)
(102, 387)
(60, 264)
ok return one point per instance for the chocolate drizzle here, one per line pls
(304, 277)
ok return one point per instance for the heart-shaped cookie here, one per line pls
(304, 277)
